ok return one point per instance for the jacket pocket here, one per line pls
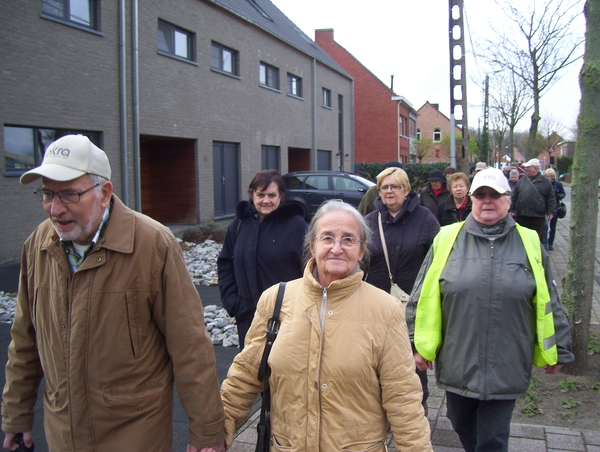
(133, 323)
(281, 443)
(135, 399)
(366, 446)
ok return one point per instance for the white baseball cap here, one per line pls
(493, 178)
(68, 158)
(532, 162)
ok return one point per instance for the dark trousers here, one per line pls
(535, 223)
(481, 425)
(423, 377)
(243, 325)
(552, 230)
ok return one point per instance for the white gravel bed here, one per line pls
(201, 261)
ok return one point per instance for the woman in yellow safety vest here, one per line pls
(485, 308)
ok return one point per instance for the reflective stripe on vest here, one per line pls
(428, 318)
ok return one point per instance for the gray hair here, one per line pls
(95, 179)
(337, 205)
(513, 171)
(550, 172)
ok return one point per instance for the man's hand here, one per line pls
(422, 363)
(550, 217)
(220, 447)
(10, 442)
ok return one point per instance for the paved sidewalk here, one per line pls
(524, 438)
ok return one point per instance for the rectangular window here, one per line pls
(270, 157)
(294, 85)
(323, 160)
(174, 41)
(326, 98)
(269, 76)
(224, 59)
(24, 147)
(79, 12)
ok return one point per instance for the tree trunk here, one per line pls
(579, 280)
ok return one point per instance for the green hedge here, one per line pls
(417, 172)
(563, 165)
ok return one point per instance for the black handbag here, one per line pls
(561, 212)
(263, 427)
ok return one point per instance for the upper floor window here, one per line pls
(175, 41)
(294, 85)
(418, 134)
(326, 97)
(224, 59)
(437, 135)
(79, 12)
(24, 147)
(269, 76)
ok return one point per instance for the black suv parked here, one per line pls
(311, 188)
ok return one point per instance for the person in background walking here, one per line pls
(559, 191)
(408, 230)
(367, 203)
(435, 192)
(458, 205)
(263, 246)
(533, 198)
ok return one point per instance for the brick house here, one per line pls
(384, 123)
(434, 129)
(189, 98)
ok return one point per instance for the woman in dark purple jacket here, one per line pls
(408, 228)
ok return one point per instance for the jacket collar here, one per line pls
(472, 226)
(120, 232)
(338, 290)
(411, 203)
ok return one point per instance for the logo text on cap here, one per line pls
(58, 152)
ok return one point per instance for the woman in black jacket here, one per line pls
(262, 247)
(559, 191)
(408, 229)
(458, 205)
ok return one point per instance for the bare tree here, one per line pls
(579, 281)
(511, 100)
(423, 148)
(544, 43)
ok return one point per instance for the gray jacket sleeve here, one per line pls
(562, 331)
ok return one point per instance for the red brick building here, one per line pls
(434, 126)
(384, 123)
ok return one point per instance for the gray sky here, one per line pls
(409, 39)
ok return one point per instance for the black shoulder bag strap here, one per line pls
(272, 330)
(264, 424)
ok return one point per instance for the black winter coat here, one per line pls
(258, 254)
(408, 237)
(430, 200)
(533, 198)
(448, 213)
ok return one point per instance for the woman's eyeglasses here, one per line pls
(345, 242)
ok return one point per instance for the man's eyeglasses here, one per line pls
(66, 197)
(391, 187)
(345, 242)
(491, 193)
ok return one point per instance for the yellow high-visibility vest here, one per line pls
(428, 319)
